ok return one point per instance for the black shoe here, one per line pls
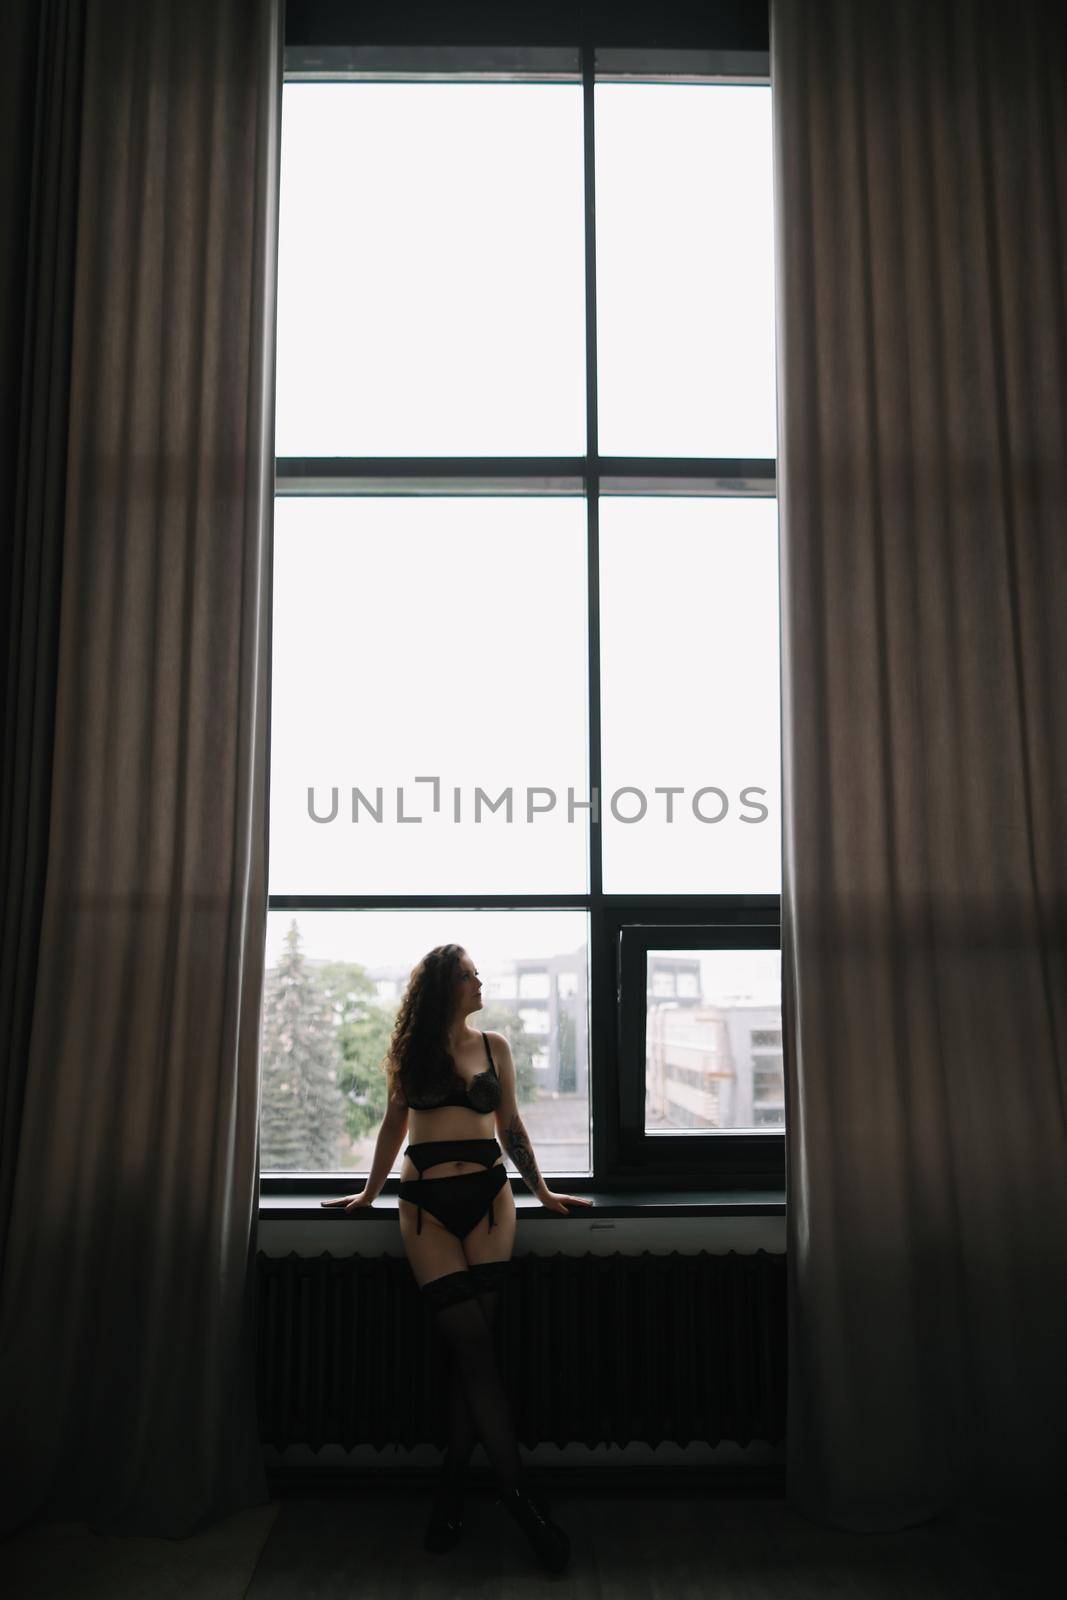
(550, 1543)
(445, 1527)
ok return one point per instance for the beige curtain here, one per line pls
(921, 233)
(131, 1155)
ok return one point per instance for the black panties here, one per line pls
(460, 1202)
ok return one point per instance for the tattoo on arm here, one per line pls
(517, 1142)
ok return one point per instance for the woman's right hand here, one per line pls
(351, 1202)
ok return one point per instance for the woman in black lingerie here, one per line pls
(449, 1084)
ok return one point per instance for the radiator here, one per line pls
(594, 1349)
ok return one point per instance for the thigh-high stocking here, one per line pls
(462, 1434)
(467, 1333)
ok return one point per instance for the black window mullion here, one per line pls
(601, 1066)
(591, 473)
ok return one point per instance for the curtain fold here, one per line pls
(40, 113)
(920, 158)
(127, 1355)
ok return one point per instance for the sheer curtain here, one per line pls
(136, 689)
(921, 236)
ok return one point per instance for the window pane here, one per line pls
(690, 695)
(709, 1059)
(685, 270)
(419, 638)
(431, 290)
(334, 983)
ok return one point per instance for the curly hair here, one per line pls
(418, 1058)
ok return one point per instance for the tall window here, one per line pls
(525, 690)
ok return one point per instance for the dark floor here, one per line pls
(655, 1546)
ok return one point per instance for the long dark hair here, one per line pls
(418, 1058)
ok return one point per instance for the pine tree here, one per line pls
(301, 1111)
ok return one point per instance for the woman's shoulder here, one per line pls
(498, 1043)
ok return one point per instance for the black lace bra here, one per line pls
(482, 1095)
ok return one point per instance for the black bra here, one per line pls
(483, 1094)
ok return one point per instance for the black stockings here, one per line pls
(479, 1407)
(462, 1433)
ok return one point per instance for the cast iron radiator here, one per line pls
(595, 1350)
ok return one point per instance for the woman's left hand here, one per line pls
(560, 1202)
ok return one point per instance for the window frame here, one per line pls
(728, 1158)
(621, 927)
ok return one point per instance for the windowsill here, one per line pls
(606, 1203)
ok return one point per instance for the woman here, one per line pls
(450, 1082)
